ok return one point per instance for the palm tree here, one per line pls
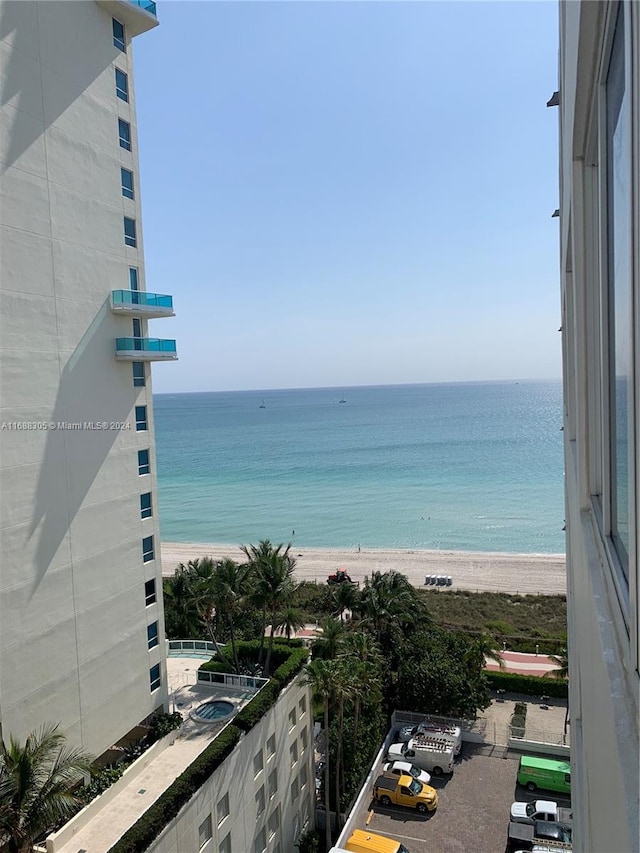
(181, 613)
(332, 634)
(390, 605)
(272, 585)
(321, 676)
(290, 619)
(484, 647)
(203, 581)
(561, 673)
(346, 597)
(344, 686)
(363, 655)
(35, 787)
(230, 587)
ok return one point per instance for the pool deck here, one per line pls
(121, 812)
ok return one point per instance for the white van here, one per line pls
(434, 755)
(432, 729)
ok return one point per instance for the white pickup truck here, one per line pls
(435, 756)
(539, 810)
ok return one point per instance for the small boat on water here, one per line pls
(262, 405)
(342, 400)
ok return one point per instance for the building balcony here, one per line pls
(145, 349)
(139, 303)
(147, 5)
(138, 16)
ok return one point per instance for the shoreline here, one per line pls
(478, 571)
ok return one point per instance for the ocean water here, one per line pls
(465, 466)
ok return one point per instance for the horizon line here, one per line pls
(358, 387)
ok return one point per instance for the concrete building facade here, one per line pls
(599, 97)
(81, 618)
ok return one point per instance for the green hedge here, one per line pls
(248, 653)
(146, 829)
(531, 685)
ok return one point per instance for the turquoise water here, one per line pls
(465, 466)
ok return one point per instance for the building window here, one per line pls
(260, 844)
(271, 747)
(126, 179)
(293, 753)
(150, 592)
(222, 809)
(136, 327)
(130, 238)
(147, 549)
(154, 677)
(205, 831)
(225, 844)
(133, 278)
(143, 462)
(303, 776)
(141, 418)
(302, 705)
(122, 85)
(152, 635)
(304, 738)
(258, 763)
(124, 134)
(292, 719)
(260, 800)
(138, 374)
(273, 783)
(118, 35)
(146, 509)
(620, 300)
(294, 789)
(273, 824)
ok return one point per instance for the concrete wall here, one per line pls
(237, 777)
(602, 605)
(73, 621)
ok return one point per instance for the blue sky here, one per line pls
(351, 193)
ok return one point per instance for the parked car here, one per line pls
(405, 791)
(405, 768)
(539, 810)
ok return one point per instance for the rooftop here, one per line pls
(105, 820)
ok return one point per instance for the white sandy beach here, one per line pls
(484, 572)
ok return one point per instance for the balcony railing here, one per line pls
(141, 302)
(145, 349)
(147, 5)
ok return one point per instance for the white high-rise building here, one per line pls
(81, 623)
(599, 103)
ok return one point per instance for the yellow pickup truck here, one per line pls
(405, 791)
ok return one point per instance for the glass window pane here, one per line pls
(122, 85)
(147, 549)
(118, 35)
(127, 182)
(141, 418)
(152, 635)
(145, 505)
(143, 462)
(138, 374)
(620, 297)
(133, 278)
(154, 677)
(130, 232)
(150, 592)
(124, 134)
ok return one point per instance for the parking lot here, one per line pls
(473, 811)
